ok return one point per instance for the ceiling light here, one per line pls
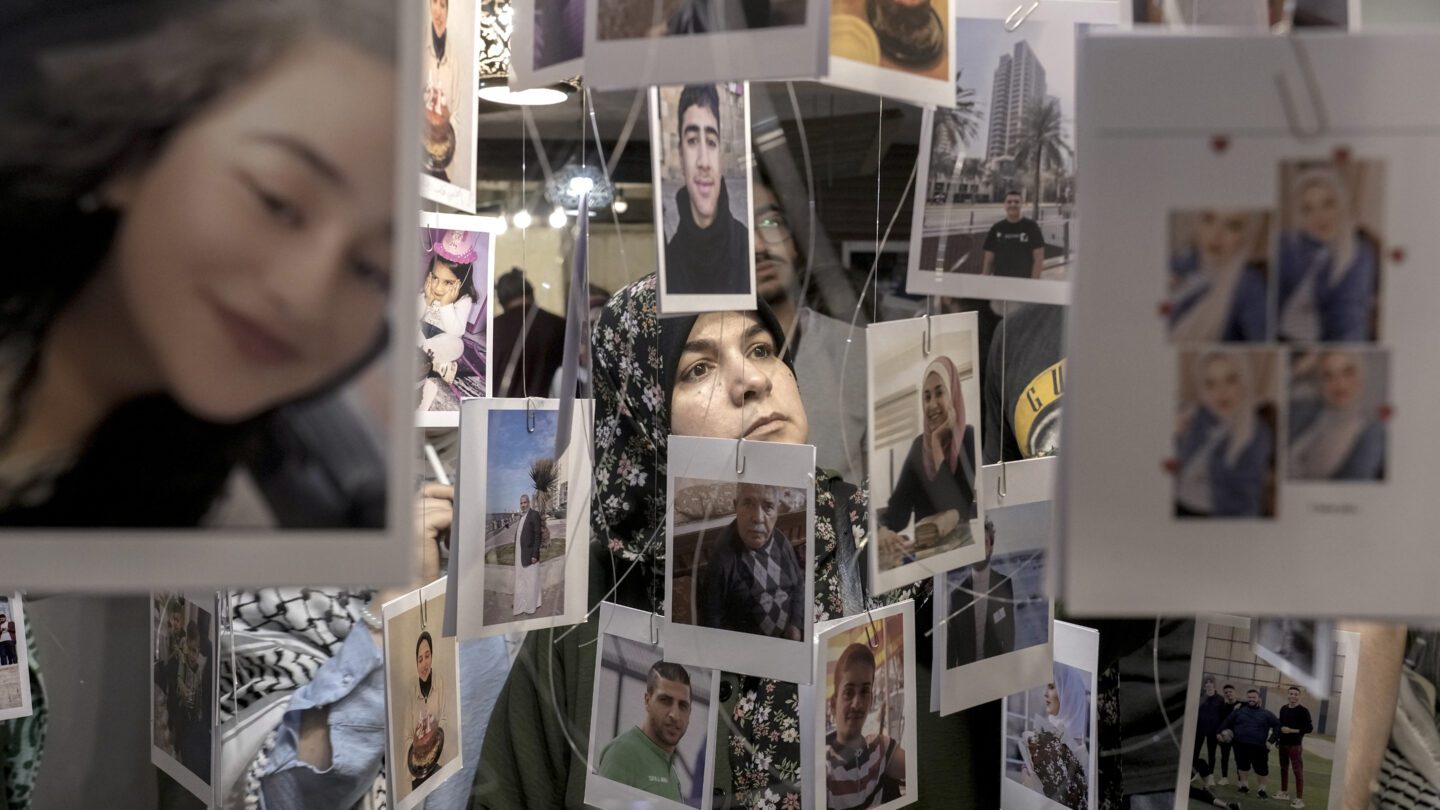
(500, 93)
(501, 225)
(558, 218)
(521, 219)
(620, 206)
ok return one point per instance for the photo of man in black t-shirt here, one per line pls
(1015, 247)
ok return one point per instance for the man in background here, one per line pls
(529, 342)
(1253, 726)
(1295, 723)
(644, 756)
(985, 626)
(1014, 247)
(833, 383)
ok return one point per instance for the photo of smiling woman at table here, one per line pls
(221, 188)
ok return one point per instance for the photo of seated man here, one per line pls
(740, 557)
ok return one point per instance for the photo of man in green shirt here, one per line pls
(644, 756)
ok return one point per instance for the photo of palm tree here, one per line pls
(1012, 130)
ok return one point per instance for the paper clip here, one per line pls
(1020, 14)
(1312, 89)
(529, 415)
(654, 628)
(926, 341)
(872, 637)
(424, 613)
(739, 458)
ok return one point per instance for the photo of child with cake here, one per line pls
(423, 696)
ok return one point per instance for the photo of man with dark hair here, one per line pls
(708, 247)
(644, 756)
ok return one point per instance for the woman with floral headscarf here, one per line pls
(1328, 266)
(717, 374)
(937, 480)
(1056, 752)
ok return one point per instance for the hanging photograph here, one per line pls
(422, 696)
(14, 659)
(183, 697)
(900, 49)
(1332, 226)
(652, 721)
(634, 43)
(523, 517)
(450, 102)
(700, 156)
(1338, 406)
(548, 42)
(995, 215)
(1225, 433)
(1023, 381)
(1253, 735)
(456, 271)
(238, 302)
(992, 618)
(1219, 281)
(1049, 739)
(865, 729)
(1296, 646)
(926, 510)
(740, 556)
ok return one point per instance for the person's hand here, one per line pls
(434, 513)
(1286, 730)
(534, 559)
(793, 633)
(892, 545)
(946, 522)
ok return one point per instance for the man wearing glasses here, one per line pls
(831, 378)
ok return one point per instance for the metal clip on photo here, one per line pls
(1020, 14)
(1312, 90)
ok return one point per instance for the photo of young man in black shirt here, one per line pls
(1014, 247)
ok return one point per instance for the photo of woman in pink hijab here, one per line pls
(936, 487)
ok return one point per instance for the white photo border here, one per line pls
(814, 697)
(388, 611)
(1345, 643)
(454, 195)
(1078, 647)
(606, 794)
(22, 657)
(916, 328)
(492, 227)
(770, 54)
(686, 304)
(144, 560)
(523, 74)
(196, 786)
(786, 465)
(470, 513)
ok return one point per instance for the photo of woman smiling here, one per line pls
(227, 258)
(1225, 434)
(1337, 431)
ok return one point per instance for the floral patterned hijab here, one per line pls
(634, 354)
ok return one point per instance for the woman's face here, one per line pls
(935, 400)
(439, 15)
(1320, 211)
(1220, 235)
(1220, 387)
(1052, 700)
(1340, 379)
(731, 383)
(441, 286)
(422, 660)
(253, 253)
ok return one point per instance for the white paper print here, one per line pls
(646, 710)
(926, 515)
(634, 43)
(1246, 723)
(422, 696)
(863, 703)
(740, 556)
(1185, 456)
(184, 669)
(1049, 740)
(522, 517)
